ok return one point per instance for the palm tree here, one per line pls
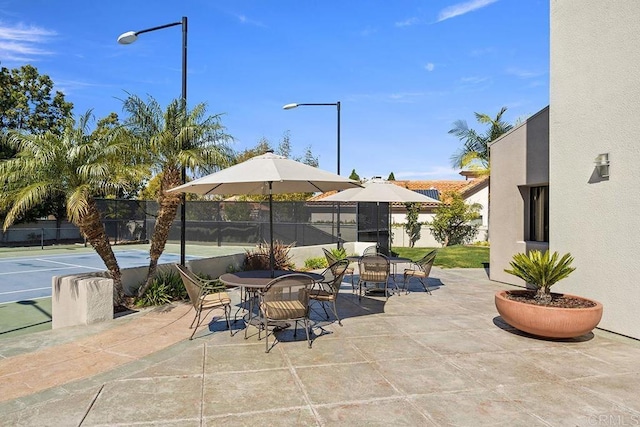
(171, 139)
(475, 151)
(474, 154)
(75, 166)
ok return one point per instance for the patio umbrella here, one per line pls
(267, 174)
(377, 191)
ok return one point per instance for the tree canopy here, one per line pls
(165, 141)
(72, 167)
(452, 224)
(28, 104)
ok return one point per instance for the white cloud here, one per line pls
(244, 20)
(473, 79)
(483, 51)
(406, 96)
(368, 31)
(462, 8)
(20, 43)
(396, 97)
(523, 74)
(430, 66)
(407, 22)
(25, 34)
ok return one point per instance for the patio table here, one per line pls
(251, 282)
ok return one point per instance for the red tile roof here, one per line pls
(443, 186)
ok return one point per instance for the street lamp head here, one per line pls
(290, 106)
(128, 37)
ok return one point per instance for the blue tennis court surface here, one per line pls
(29, 277)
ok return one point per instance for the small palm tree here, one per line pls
(475, 151)
(75, 166)
(541, 270)
(474, 154)
(169, 140)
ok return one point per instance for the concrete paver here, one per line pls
(416, 359)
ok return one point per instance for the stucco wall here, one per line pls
(482, 198)
(426, 240)
(595, 108)
(519, 159)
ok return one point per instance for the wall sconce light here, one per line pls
(602, 165)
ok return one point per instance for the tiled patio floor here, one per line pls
(417, 359)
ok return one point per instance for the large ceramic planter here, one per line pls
(550, 322)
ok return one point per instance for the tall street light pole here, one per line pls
(130, 37)
(337, 105)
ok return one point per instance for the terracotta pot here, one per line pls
(551, 322)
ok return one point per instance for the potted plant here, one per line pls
(539, 311)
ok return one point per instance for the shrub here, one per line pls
(338, 253)
(412, 226)
(453, 222)
(315, 263)
(259, 258)
(541, 270)
(164, 288)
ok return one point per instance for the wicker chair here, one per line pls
(286, 298)
(420, 269)
(373, 269)
(331, 259)
(327, 291)
(205, 296)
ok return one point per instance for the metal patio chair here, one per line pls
(421, 270)
(327, 291)
(370, 250)
(373, 269)
(286, 298)
(205, 296)
(331, 259)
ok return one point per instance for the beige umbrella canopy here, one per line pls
(267, 174)
(379, 191)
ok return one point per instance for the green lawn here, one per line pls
(451, 256)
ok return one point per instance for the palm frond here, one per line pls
(539, 269)
(78, 203)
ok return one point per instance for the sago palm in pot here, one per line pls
(541, 270)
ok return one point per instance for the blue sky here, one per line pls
(404, 71)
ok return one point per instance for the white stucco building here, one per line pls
(593, 157)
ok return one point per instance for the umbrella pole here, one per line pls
(271, 256)
(377, 226)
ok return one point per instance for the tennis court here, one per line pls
(29, 277)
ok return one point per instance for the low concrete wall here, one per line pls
(88, 298)
(300, 254)
(426, 240)
(217, 266)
